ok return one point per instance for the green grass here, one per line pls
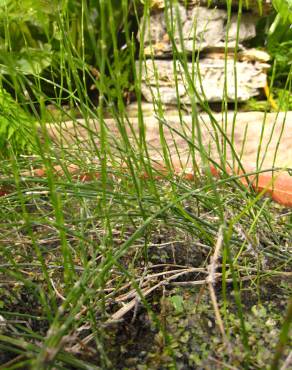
(110, 273)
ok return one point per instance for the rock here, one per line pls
(250, 55)
(209, 82)
(149, 109)
(256, 136)
(253, 55)
(157, 4)
(201, 28)
(262, 8)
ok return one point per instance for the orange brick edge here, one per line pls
(278, 185)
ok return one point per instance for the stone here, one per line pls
(262, 8)
(255, 136)
(149, 109)
(157, 4)
(201, 28)
(159, 80)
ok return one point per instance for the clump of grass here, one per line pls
(90, 269)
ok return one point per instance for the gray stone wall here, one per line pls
(222, 66)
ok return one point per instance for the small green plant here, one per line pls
(284, 14)
(274, 32)
(16, 127)
(48, 50)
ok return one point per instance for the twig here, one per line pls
(211, 280)
(201, 282)
(127, 307)
(137, 300)
(56, 291)
(148, 278)
(223, 365)
(287, 362)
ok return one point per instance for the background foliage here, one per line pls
(48, 47)
(62, 52)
